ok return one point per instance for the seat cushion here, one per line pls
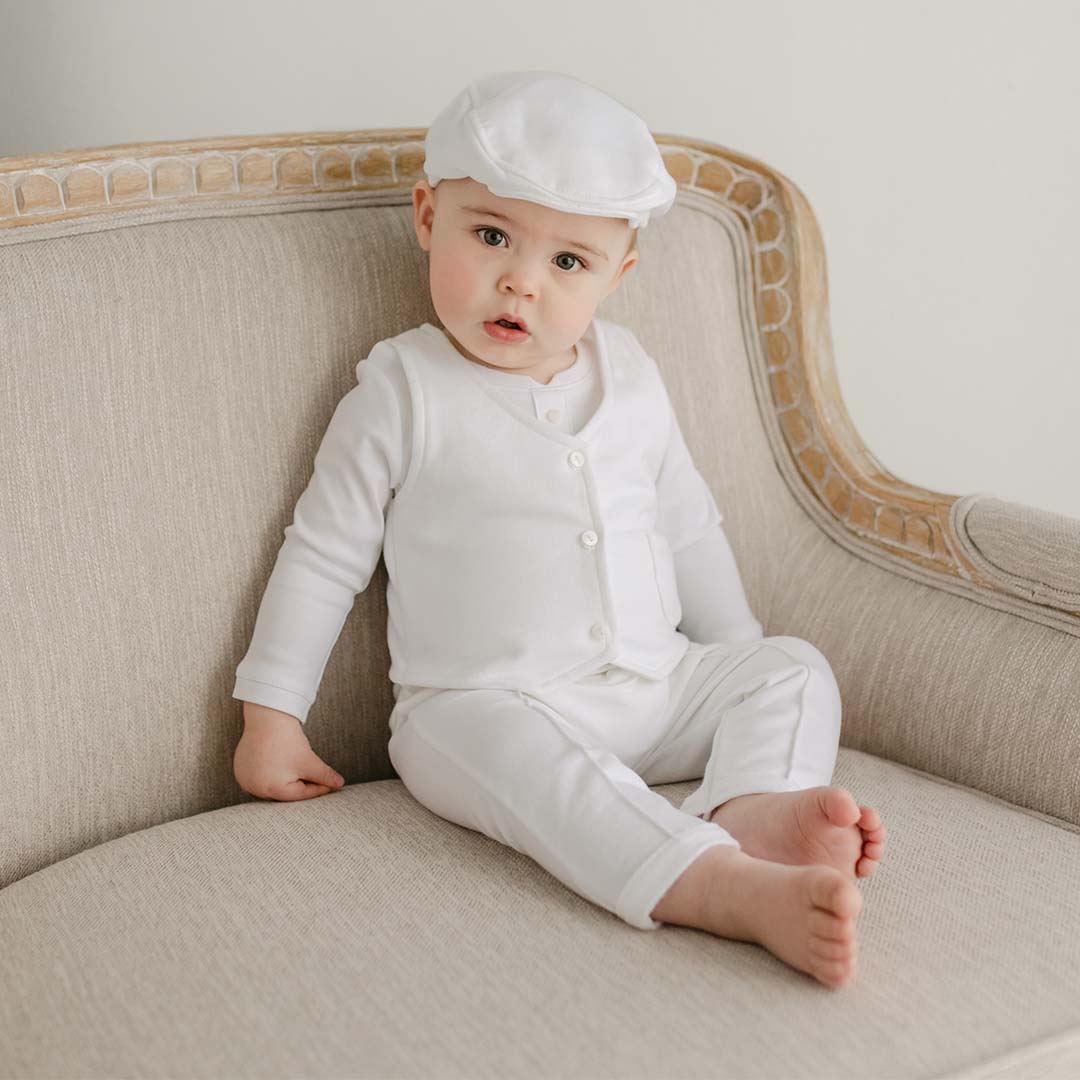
(359, 934)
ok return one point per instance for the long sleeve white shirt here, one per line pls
(360, 465)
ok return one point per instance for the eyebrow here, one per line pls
(505, 217)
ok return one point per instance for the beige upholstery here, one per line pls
(172, 352)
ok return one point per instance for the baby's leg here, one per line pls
(762, 722)
(514, 769)
(805, 915)
(508, 766)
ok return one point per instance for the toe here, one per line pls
(869, 819)
(838, 805)
(865, 867)
(830, 949)
(825, 926)
(834, 892)
(836, 973)
(873, 851)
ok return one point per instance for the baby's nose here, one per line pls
(522, 282)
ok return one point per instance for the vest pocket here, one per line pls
(666, 583)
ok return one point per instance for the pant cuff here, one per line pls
(661, 870)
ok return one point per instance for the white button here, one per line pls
(589, 538)
(552, 415)
(598, 630)
(577, 458)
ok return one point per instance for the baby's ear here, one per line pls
(627, 263)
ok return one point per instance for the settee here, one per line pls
(178, 321)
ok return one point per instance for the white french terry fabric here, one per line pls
(333, 545)
(562, 769)
(566, 776)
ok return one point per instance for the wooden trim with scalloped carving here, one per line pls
(102, 180)
(792, 308)
(791, 303)
(788, 258)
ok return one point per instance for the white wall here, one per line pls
(938, 143)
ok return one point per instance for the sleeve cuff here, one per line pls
(273, 697)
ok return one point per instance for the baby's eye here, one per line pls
(568, 255)
(485, 231)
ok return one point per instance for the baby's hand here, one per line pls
(274, 760)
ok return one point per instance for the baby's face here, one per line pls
(491, 255)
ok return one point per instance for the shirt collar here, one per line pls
(577, 372)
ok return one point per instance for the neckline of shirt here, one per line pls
(579, 371)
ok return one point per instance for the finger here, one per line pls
(300, 789)
(321, 773)
(312, 790)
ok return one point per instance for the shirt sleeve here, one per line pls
(714, 604)
(331, 548)
(686, 509)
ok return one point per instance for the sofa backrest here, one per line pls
(169, 368)
(178, 323)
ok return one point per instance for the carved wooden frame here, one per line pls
(788, 265)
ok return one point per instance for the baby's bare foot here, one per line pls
(821, 825)
(805, 915)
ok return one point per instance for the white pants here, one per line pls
(564, 777)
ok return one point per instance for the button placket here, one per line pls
(589, 539)
(549, 406)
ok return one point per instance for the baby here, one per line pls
(566, 623)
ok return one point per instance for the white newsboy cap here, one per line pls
(551, 139)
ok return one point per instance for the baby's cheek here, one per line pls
(452, 283)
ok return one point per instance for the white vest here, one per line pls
(520, 556)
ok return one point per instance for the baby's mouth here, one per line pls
(506, 331)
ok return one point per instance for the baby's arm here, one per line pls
(714, 604)
(328, 556)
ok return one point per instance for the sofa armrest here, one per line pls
(966, 684)
(1021, 550)
(952, 622)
